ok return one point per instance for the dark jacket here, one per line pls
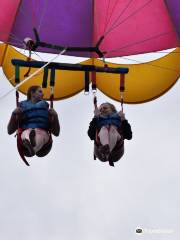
(116, 154)
(124, 130)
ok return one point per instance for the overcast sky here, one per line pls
(67, 195)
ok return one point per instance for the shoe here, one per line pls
(29, 147)
(32, 138)
(105, 149)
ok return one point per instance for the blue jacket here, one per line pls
(34, 115)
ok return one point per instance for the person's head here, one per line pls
(107, 108)
(35, 93)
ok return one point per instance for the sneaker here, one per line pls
(32, 138)
(29, 147)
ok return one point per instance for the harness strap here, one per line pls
(45, 78)
(51, 100)
(20, 147)
(17, 99)
(29, 69)
(122, 89)
(19, 132)
(97, 142)
(17, 69)
(93, 80)
(86, 82)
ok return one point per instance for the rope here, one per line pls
(32, 75)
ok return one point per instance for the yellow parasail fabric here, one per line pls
(2, 52)
(67, 84)
(143, 83)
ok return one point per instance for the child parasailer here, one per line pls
(34, 122)
(108, 129)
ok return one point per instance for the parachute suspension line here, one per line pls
(141, 41)
(32, 75)
(31, 19)
(108, 18)
(33, 7)
(122, 89)
(42, 15)
(150, 64)
(119, 16)
(15, 40)
(52, 85)
(133, 13)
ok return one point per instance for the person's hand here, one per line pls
(17, 111)
(122, 115)
(97, 112)
(52, 112)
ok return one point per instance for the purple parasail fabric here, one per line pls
(174, 10)
(66, 23)
(128, 26)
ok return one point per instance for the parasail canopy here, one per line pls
(116, 27)
(123, 27)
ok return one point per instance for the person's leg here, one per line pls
(26, 142)
(25, 134)
(104, 136)
(41, 138)
(114, 137)
(104, 140)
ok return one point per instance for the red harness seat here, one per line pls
(23, 152)
(114, 155)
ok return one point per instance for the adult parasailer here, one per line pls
(35, 122)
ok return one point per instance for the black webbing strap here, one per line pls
(17, 72)
(86, 82)
(122, 89)
(93, 80)
(52, 77)
(45, 78)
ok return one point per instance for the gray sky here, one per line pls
(67, 195)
